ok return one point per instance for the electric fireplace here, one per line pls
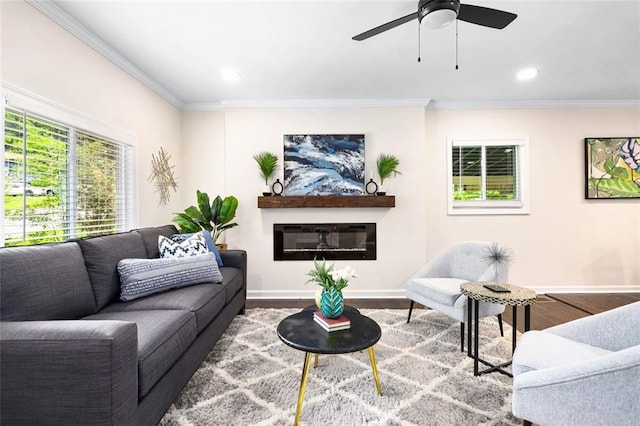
(330, 241)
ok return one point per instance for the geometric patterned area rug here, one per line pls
(251, 378)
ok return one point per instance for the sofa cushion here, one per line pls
(441, 290)
(192, 246)
(101, 257)
(211, 245)
(232, 281)
(204, 300)
(150, 238)
(48, 282)
(163, 336)
(557, 351)
(143, 277)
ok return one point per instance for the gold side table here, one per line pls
(516, 296)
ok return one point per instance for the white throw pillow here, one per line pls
(192, 246)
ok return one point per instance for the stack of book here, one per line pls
(332, 324)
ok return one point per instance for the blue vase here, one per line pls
(331, 303)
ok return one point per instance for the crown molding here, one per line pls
(533, 104)
(62, 18)
(309, 103)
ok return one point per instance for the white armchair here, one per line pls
(584, 372)
(437, 284)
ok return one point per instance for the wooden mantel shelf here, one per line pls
(276, 201)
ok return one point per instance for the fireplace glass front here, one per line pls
(330, 241)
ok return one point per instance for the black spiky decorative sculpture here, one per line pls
(498, 256)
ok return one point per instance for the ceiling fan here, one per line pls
(440, 13)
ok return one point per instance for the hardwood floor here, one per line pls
(549, 310)
(595, 303)
(554, 308)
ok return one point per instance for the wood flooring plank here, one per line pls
(595, 303)
(545, 313)
(302, 303)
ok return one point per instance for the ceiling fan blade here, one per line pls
(485, 16)
(384, 27)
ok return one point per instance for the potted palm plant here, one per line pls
(212, 216)
(387, 165)
(268, 164)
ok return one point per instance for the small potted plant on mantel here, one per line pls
(268, 164)
(387, 165)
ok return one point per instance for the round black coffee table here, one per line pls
(301, 332)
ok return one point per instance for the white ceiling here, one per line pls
(301, 51)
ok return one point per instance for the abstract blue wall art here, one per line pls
(324, 165)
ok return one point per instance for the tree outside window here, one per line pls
(61, 182)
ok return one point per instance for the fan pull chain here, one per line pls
(456, 44)
(419, 41)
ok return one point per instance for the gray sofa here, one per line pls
(72, 353)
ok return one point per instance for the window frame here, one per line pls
(490, 207)
(19, 99)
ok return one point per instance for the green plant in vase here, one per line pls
(213, 216)
(268, 164)
(330, 301)
(387, 166)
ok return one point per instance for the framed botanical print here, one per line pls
(612, 168)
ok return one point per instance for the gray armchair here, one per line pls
(437, 284)
(583, 372)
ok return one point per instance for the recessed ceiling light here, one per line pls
(230, 74)
(527, 74)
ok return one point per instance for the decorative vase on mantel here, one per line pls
(331, 303)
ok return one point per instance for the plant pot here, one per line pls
(221, 246)
(318, 297)
(331, 303)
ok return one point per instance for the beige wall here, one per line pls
(203, 155)
(399, 131)
(566, 243)
(40, 57)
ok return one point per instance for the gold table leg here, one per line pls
(303, 386)
(374, 367)
(315, 362)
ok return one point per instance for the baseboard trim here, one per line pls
(400, 294)
(310, 294)
(586, 289)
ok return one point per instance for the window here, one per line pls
(488, 176)
(62, 182)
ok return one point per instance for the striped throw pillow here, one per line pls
(143, 277)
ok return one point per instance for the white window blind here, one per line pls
(488, 176)
(62, 182)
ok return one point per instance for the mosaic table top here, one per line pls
(516, 296)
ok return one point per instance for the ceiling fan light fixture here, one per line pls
(434, 14)
(439, 19)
